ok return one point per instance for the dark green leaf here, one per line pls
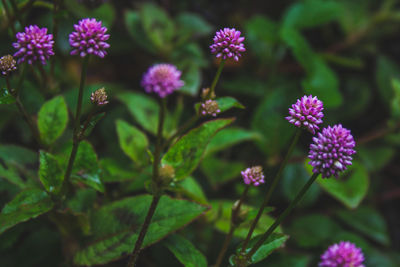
(185, 251)
(92, 123)
(375, 158)
(396, 99)
(105, 12)
(50, 172)
(190, 188)
(136, 31)
(116, 226)
(114, 171)
(6, 97)
(52, 119)
(191, 24)
(220, 171)
(192, 79)
(133, 142)
(82, 201)
(26, 205)
(226, 102)
(282, 258)
(367, 221)
(11, 175)
(386, 71)
(186, 153)
(17, 154)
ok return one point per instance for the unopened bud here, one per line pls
(253, 176)
(210, 107)
(99, 97)
(167, 172)
(7, 64)
(207, 94)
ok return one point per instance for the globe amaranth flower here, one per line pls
(343, 254)
(162, 79)
(331, 151)
(99, 97)
(89, 37)
(7, 64)
(253, 176)
(34, 45)
(228, 44)
(306, 113)
(210, 107)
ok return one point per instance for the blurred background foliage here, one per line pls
(346, 52)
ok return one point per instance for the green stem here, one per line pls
(216, 78)
(16, 11)
(56, 7)
(287, 211)
(235, 221)
(271, 189)
(156, 183)
(8, 15)
(76, 133)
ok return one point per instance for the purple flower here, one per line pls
(228, 43)
(306, 113)
(344, 254)
(210, 107)
(253, 175)
(34, 45)
(162, 79)
(89, 37)
(331, 151)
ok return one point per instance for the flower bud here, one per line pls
(210, 107)
(7, 64)
(253, 176)
(99, 97)
(167, 173)
(207, 94)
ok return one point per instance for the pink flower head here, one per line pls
(162, 79)
(253, 175)
(306, 113)
(34, 45)
(210, 107)
(228, 44)
(331, 151)
(89, 37)
(344, 254)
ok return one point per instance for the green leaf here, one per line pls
(117, 225)
(186, 153)
(350, 188)
(375, 158)
(86, 167)
(105, 11)
(191, 24)
(227, 102)
(190, 188)
(185, 251)
(6, 97)
(273, 242)
(113, 171)
(367, 221)
(17, 154)
(386, 70)
(396, 99)
(52, 119)
(28, 204)
(192, 79)
(133, 142)
(92, 123)
(219, 171)
(220, 216)
(311, 231)
(50, 172)
(11, 175)
(282, 258)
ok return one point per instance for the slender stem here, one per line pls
(181, 130)
(216, 78)
(234, 224)
(143, 231)
(16, 11)
(271, 189)
(76, 133)
(56, 8)
(157, 194)
(287, 211)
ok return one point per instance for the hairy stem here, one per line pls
(271, 189)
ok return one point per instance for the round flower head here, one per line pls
(253, 175)
(162, 79)
(99, 97)
(7, 64)
(210, 107)
(344, 254)
(34, 45)
(89, 37)
(228, 44)
(331, 151)
(306, 113)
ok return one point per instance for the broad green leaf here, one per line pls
(82, 201)
(50, 172)
(117, 225)
(113, 171)
(52, 119)
(229, 137)
(191, 24)
(17, 154)
(375, 158)
(186, 153)
(311, 13)
(190, 188)
(192, 78)
(11, 175)
(312, 230)
(367, 221)
(220, 216)
(219, 171)
(185, 251)
(136, 31)
(6, 97)
(86, 168)
(26, 205)
(350, 188)
(378, 258)
(273, 242)
(386, 70)
(133, 142)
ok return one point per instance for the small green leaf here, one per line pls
(192, 79)
(116, 226)
(26, 205)
(11, 175)
(86, 168)
(52, 119)
(186, 153)
(6, 97)
(227, 102)
(190, 188)
(133, 142)
(50, 172)
(367, 221)
(185, 251)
